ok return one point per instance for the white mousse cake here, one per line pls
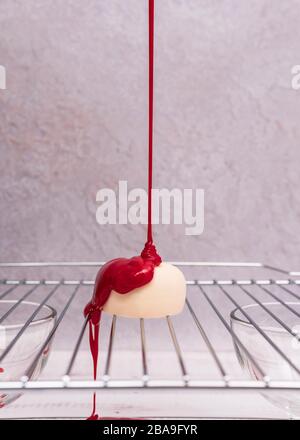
(163, 296)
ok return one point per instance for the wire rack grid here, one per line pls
(213, 294)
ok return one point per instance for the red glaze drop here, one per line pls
(1, 370)
(126, 274)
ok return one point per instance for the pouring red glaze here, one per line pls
(126, 274)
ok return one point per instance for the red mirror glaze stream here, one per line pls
(125, 274)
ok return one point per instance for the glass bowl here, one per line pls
(23, 353)
(262, 352)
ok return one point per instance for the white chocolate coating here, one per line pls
(163, 296)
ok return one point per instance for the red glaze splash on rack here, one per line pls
(126, 274)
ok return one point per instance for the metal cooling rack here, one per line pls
(232, 289)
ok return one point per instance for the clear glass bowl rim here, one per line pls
(246, 323)
(51, 315)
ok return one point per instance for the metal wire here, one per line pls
(8, 291)
(284, 304)
(77, 346)
(17, 303)
(290, 292)
(143, 348)
(110, 347)
(209, 345)
(210, 282)
(177, 349)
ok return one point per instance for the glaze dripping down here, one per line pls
(121, 275)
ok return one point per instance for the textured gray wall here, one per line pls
(74, 119)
